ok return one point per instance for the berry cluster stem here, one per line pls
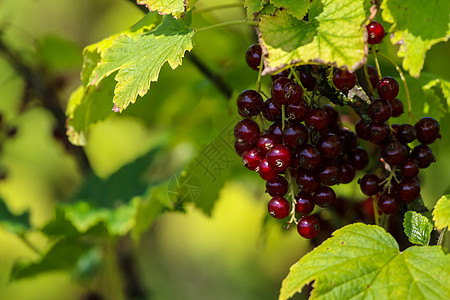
(387, 181)
(374, 51)
(293, 201)
(375, 211)
(283, 116)
(258, 81)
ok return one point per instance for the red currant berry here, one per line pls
(293, 93)
(378, 132)
(247, 131)
(304, 203)
(362, 129)
(329, 146)
(277, 90)
(394, 153)
(271, 111)
(330, 175)
(276, 128)
(295, 136)
(250, 103)
(373, 75)
(387, 88)
(278, 207)
(369, 184)
(387, 203)
(408, 190)
(406, 133)
(277, 187)
(266, 142)
(307, 181)
(333, 115)
(348, 139)
(427, 130)
(308, 81)
(409, 169)
(309, 157)
(279, 157)
(284, 73)
(344, 80)
(251, 159)
(324, 196)
(253, 56)
(380, 110)
(308, 227)
(240, 146)
(348, 172)
(397, 107)
(375, 33)
(423, 155)
(359, 158)
(317, 120)
(297, 111)
(265, 171)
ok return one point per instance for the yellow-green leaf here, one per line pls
(174, 7)
(441, 212)
(417, 228)
(297, 8)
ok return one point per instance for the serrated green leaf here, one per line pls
(364, 262)
(333, 35)
(174, 7)
(418, 25)
(17, 224)
(417, 228)
(138, 58)
(297, 8)
(253, 7)
(441, 212)
(437, 95)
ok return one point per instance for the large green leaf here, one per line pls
(437, 96)
(17, 224)
(418, 25)
(138, 58)
(297, 8)
(333, 35)
(253, 7)
(417, 227)
(441, 212)
(364, 262)
(174, 7)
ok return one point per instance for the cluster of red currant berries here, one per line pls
(299, 146)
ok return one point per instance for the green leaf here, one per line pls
(437, 96)
(333, 35)
(418, 25)
(297, 8)
(441, 212)
(175, 7)
(417, 228)
(364, 262)
(138, 58)
(253, 7)
(17, 224)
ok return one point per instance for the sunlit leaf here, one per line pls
(297, 8)
(417, 228)
(175, 7)
(441, 212)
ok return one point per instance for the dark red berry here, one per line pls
(387, 88)
(359, 158)
(247, 131)
(362, 129)
(409, 169)
(427, 130)
(278, 207)
(295, 135)
(249, 103)
(307, 181)
(317, 120)
(266, 142)
(333, 115)
(251, 159)
(423, 155)
(397, 107)
(348, 172)
(277, 187)
(308, 157)
(406, 133)
(304, 203)
(375, 33)
(279, 157)
(297, 111)
(253, 56)
(271, 111)
(407, 190)
(387, 203)
(240, 146)
(380, 110)
(276, 128)
(308, 81)
(394, 153)
(277, 90)
(330, 175)
(284, 73)
(329, 146)
(348, 139)
(265, 171)
(308, 227)
(324, 196)
(344, 80)
(373, 75)
(369, 184)
(293, 93)
(378, 132)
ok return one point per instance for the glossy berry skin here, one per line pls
(251, 159)
(332, 113)
(253, 56)
(397, 107)
(317, 120)
(369, 184)
(309, 157)
(279, 157)
(348, 172)
(407, 190)
(324, 196)
(362, 129)
(329, 146)
(406, 133)
(266, 142)
(348, 139)
(380, 110)
(295, 135)
(284, 73)
(387, 88)
(276, 128)
(344, 80)
(409, 169)
(375, 33)
(293, 93)
(378, 132)
(277, 90)
(304, 203)
(240, 147)
(297, 111)
(278, 207)
(307, 181)
(387, 203)
(330, 175)
(265, 171)
(271, 110)
(373, 75)
(308, 227)
(277, 187)
(247, 131)
(423, 155)
(359, 158)
(249, 103)
(427, 130)
(308, 81)
(394, 153)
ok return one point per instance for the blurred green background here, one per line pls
(237, 252)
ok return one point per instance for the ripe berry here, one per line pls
(324, 196)
(293, 93)
(406, 133)
(317, 120)
(240, 146)
(276, 128)
(265, 171)
(308, 81)
(369, 184)
(279, 157)
(344, 80)
(373, 75)
(427, 130)
(277, 90)
(375, 33)
(330, 175)
(307, 181)
(408, 190)
(278, 207)
(251, 159)
(249, 103)
(387, 88)
(309, 157)
(308, 227)
(380, 110)
(333, 115)
(394, 153)
(247, 131)
(295, 136)
(348, 172)
(271, 111)
(397, 107)
(297, 111)
(423, 155)
(329, 146)
(378, 132)
(409, 169)
(348, 139)
(253, 56)
(359, 158)
(387, 203)
(277, 187)
(362, 129)
(304, 203)
(284, 73)
(266, 142)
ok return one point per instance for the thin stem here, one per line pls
(283, 116)
(227, 23)
(374, 51)
(27, 242)
(402, 76)
(375, 211)
(441, 236)
(258, 81)
(387, 181)
(217, 7)
(293, 201)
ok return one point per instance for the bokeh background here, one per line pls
(235, 253)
